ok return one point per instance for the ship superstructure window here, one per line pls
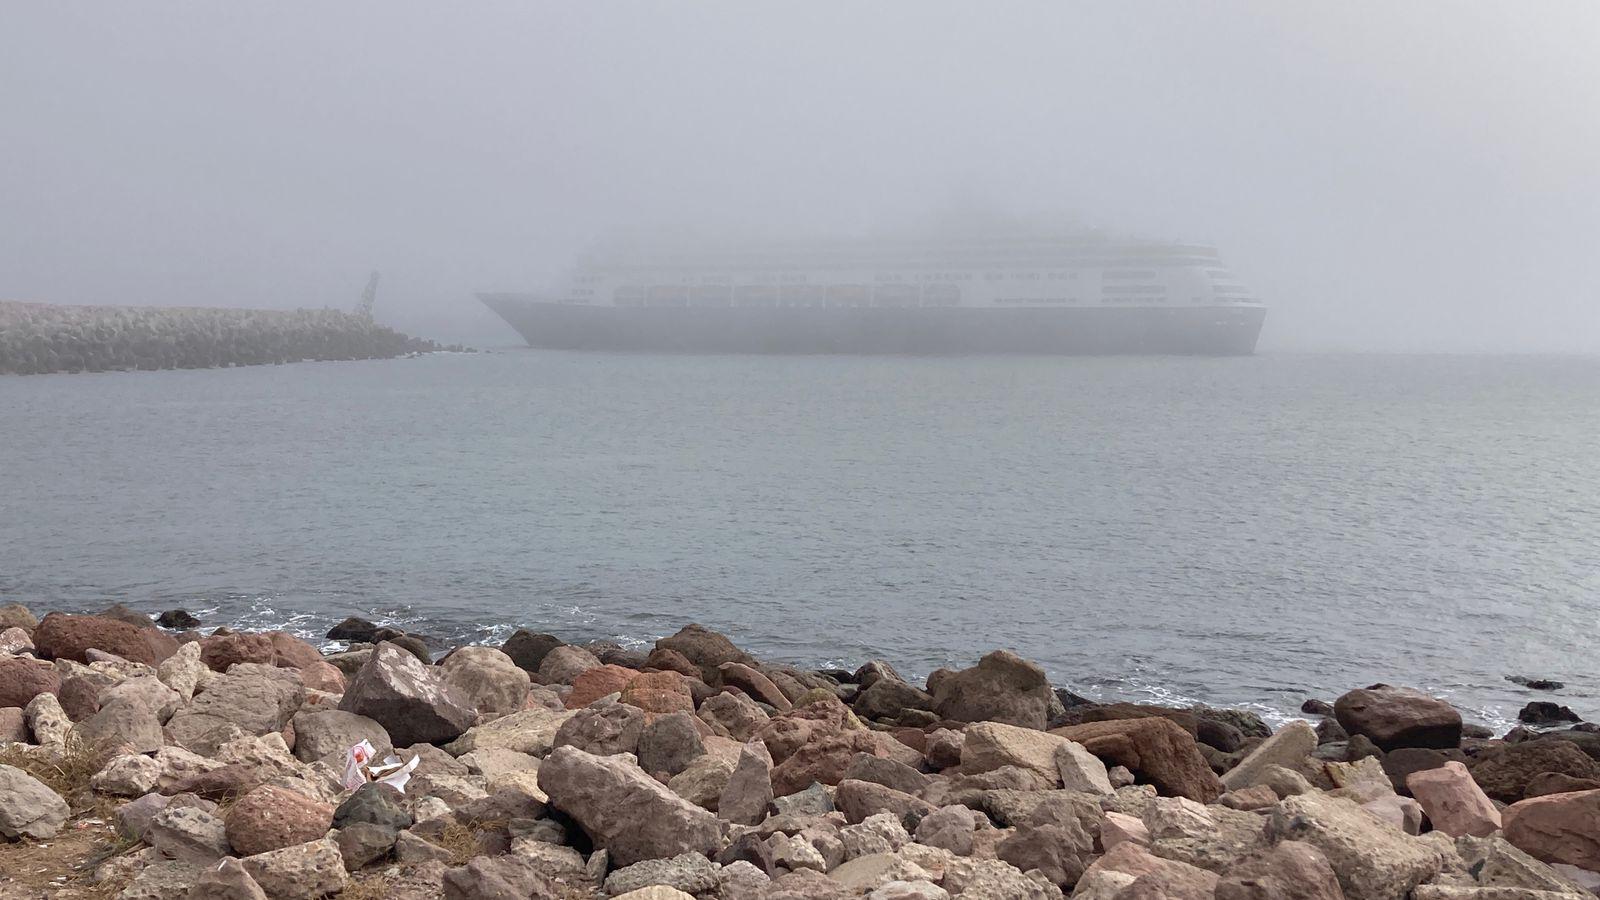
(941, 295)
(667, 295)
(1147, 289)
(755, 295)
(711, 295)
(1129, 274)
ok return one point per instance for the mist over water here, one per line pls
(1414, 176)
(1246, 531)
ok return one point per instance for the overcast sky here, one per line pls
(1388, 175)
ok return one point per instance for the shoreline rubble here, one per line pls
(557, 771)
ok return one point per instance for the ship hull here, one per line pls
(1210, 331)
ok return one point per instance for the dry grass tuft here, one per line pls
(367, 886)
(463, 842)
(66, 770)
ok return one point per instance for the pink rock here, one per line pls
(1557, 828)
(1118, 828)
(1453, 801)
(755, 684)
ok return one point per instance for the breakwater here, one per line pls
(38, 338)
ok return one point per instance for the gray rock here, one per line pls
(748, 793)
(669, 743)
(948, 828)
(27, 807)
(226, 881)
(1372, 860)
(324, 733)
(1287, 748)
(624, 810)
(687, 872)
(397, 691)
(362, 843)
(188, 833)
(487, 679)
(301, 872)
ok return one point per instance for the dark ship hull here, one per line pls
(1209, 330)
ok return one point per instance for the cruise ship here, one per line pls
(972, 294)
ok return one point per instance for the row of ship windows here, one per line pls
(899, 277)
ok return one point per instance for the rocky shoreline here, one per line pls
(143, 760)
(38, 338)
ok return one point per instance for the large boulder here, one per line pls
(531, 731)
(63, 636)
(1393, 717)
(1288, 747)
(527, 649)
(1002, 687)
(623, 810)
(1505, 773)
(600, 681)
(487, 679)
(15, 615)
(752, 682)
(271, 818)
(398, 692)
(22, 679)
(603, 729)
(1291, 870)
(251, 699)
(301, 872)
(888, 698)
(991, 745)
(1453, 802)
(660, 692)
(1373, 861)
(1157, 750)
(705, 648)
(563, 664)
(328, 733)
(27, 807)
(221, 651)
(1557, 828)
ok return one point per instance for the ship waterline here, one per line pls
(1010, 293)
(936, 330)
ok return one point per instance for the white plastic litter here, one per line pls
(359, 768)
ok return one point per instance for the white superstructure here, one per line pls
(974, 272)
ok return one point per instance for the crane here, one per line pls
(368, 297)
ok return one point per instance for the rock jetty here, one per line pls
(556, 771)
(38, 338)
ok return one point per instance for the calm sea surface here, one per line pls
(1239, 531)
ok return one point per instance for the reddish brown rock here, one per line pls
(705, 648)
(598, 682)
(1002, 687)
(1393, 717)
(1292, 870)
(62, 636)
(1155, 749)
(1557, 828)
(292, 652)
(660, 692)
(1505, 773)
(823, 760)
(1453, 802)
(22, 679)
(271, 818)
(323, 677)
(219, 651)
(755, 684)
(667, 660)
